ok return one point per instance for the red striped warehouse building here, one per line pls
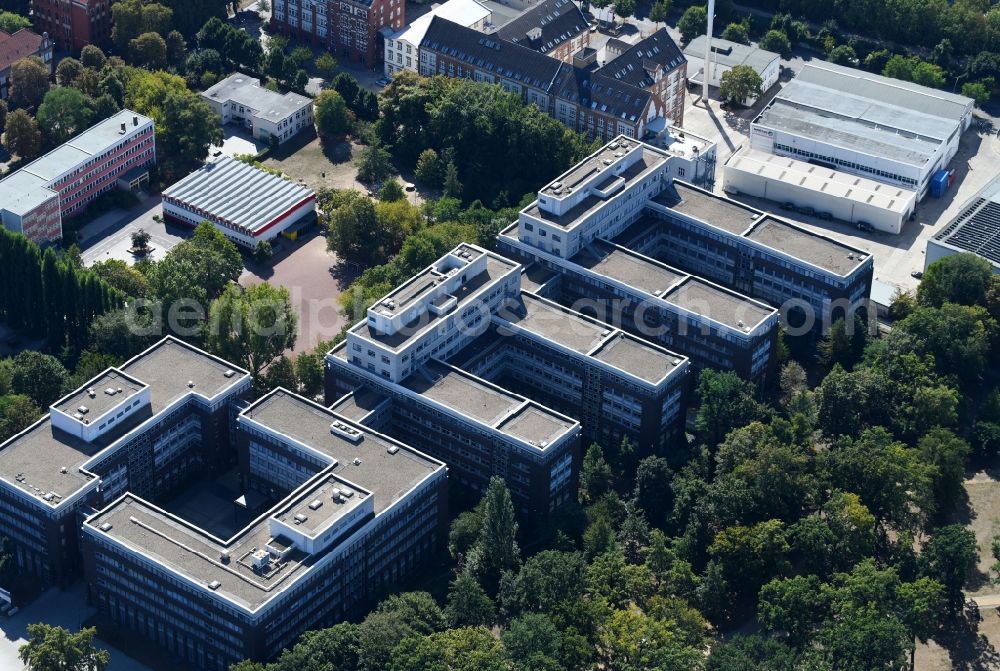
(247, 204)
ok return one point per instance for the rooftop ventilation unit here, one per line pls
(224, 557)
(300, 518)
(214, 585)
(62, 469)
(91, 393)
(543, 443)
(260, 559)
(392, 449)
(110, 391)
(229, 373)
(315, 505)
(105, 527)
(190, 384)
(347, 493)
(83, 410)
(357, 461)
(346, 431)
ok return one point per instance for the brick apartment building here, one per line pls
(115, 153)
(73, 24)
(22, 44)
(585, 101)
(556, 28)
(350, 29)
(655, 64)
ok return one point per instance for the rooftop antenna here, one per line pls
(708, 52)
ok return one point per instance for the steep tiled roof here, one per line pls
(17, 46)
(556, 21)
(634, 66)
(594, 90)
(490, 53)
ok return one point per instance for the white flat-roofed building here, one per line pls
(240, 99)
(727, 55)
(857, 122)
(480, 372)
(245, 203)
(402, 48)
(597, 198)
(434, 314)
(844, 196)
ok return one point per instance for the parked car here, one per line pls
(865, 226)
(382, 82)
(788, 205)
(824, 215)
(806, 210)
(409, 186)
(917, 274)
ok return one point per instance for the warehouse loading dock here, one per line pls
(840, 195)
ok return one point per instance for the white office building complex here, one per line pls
(402, 48)
(240, 99)
(864, 124)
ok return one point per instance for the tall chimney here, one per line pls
(708, 52)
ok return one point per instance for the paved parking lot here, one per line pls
(109, 236)
(315, 281)
(237, 140)
(65, 609)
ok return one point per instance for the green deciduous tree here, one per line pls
(17, 412)
(67, 71)
(739, 84)
(64, 113)
(737, 32)
(776, 41)
(726, 402)
(29, 82)
(949, 557)
(959, 278)
(374, 164)
(429, 170)
(56, 649)
(39, 376)
(693, 22)
(253, 327)
(467, 649)
(132, 18)
(22, 135)
(92, 57)
(660, 11)
(11, 22)
(325, 64)
(148, 50)
(468, 604)
(595, 475)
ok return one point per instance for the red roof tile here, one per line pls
(17, 46)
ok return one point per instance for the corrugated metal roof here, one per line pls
(887, 90)
(239, 193)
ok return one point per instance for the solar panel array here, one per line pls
(976, 230)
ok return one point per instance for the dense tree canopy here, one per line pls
(501, 147)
